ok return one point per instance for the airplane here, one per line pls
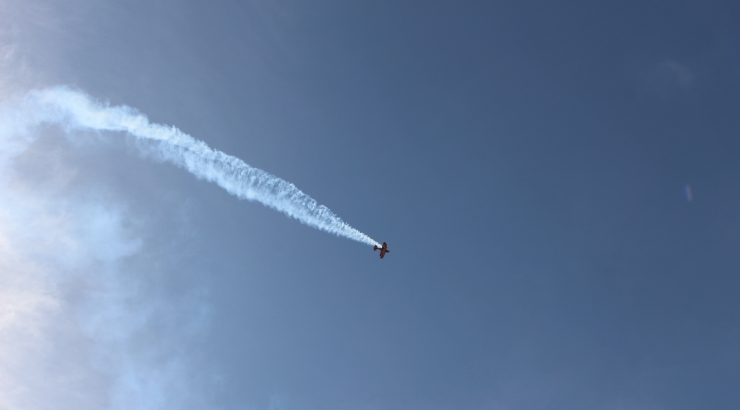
(383, 250)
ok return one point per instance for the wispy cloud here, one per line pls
(671, 72)
(85, 321)
(666, 79)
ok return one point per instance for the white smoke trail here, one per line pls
(74, 110)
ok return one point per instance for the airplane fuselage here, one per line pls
(383, 249)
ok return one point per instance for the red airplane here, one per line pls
(383, 250)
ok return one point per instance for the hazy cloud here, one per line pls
(667, 79)
(86, 321)
(672, 73)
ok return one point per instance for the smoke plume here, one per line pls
(73, 110)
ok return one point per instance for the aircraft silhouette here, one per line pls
(383, 250)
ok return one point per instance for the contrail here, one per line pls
(74, 110)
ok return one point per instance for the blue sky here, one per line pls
(526, 163)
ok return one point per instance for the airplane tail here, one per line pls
(375, 248)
